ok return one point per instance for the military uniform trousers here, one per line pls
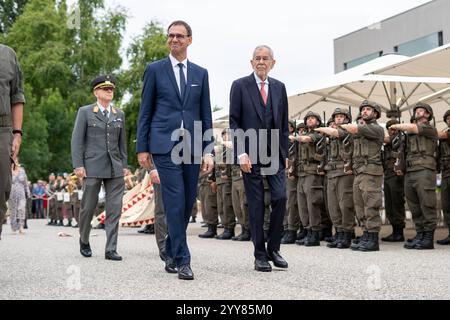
(325, 216)
(394, 200)
(160, 220)
(420, 191)
(240, 206)
(340, 202)
(5, 171)
(367, 197)
(225, 205)
(208, 202)
(310, 201)
(114, 189)
(59, 210)
(445, 199)
(294, 222)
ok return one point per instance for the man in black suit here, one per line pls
(259, 110)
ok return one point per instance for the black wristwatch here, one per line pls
(17, 131)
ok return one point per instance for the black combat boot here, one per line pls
(337, 238)
(289, 237)
(411, 243)
(446, 241)
(211, 233)
(396, 236)
(371, 244)
(69, 223)
(60, 223)
(227, 234)
(427, 242)
(302, 234)
(326, 234)
(314, 240)
(357, 243)
(244, 236)
(346, 240)
(301, 242)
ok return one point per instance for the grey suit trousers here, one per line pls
(114, 189)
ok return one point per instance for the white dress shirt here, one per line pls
(176, 71)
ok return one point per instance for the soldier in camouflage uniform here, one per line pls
(368, 170)
(310, 182)
(420, 179)
(208, 200)
(240, 203)
(224, 183)
(394, 186)
(340, 180)
(293, 218)
(444, 148)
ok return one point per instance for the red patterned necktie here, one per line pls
(263, 93)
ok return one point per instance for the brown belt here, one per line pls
(5, 121)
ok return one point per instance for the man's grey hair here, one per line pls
(264, 47)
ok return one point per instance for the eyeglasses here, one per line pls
(108, 89)
(177, 35)
(257, 58)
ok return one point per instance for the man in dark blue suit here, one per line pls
(259, 108)
(176, 111)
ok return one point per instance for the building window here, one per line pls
(420, 45)
(359, 61)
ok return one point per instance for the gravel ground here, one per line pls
(41, 265)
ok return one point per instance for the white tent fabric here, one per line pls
(350, 88)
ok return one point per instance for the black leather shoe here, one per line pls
(85, 250)
(112, 255)
(170, 266)
(277, 260)
(262, 266)
(185, 272)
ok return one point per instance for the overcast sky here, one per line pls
(225, 33)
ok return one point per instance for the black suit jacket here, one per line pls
(247, 113)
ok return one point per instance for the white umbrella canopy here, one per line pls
(350, 88)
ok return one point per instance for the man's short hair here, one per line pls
(263, 46)
(181, 23)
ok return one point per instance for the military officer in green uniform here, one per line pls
(444, 145)
(340, 180)
(12, 100)
(394, 186)
(99, 156)
(420, 179)
(52, 202)
(368, 170)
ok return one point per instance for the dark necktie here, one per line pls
(182, 81)
(105, 113)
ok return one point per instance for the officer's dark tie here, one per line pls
(182, 81)
(105, 113)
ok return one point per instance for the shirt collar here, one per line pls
(258, 79)
(175, 62)
(103, 109)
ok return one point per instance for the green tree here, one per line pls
(146, 48)
(59, 60)
(9, 11)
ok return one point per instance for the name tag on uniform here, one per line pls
(59, 196)
(66, 197)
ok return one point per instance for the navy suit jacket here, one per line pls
(162, 108)
(247, 113)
